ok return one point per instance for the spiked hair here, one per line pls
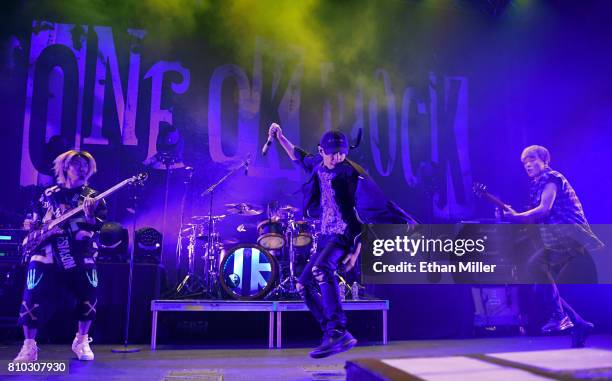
(61, 163)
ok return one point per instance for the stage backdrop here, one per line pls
(445, 94)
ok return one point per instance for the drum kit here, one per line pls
(248, 268)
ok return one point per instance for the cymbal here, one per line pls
(289, 209)
(187, 229)
(207, 218)
(244, 209)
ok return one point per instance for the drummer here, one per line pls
(330, 196)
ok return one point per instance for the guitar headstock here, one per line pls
(138, 179)
(479, 189)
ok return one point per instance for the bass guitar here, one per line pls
(36, 237)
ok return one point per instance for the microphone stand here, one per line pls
(126, 332)
(211, 189)
(210, 278)
(190, 280)
(167, 159)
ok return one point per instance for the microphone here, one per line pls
(247, 161)
(266, 147)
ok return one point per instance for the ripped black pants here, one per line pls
(319, 275)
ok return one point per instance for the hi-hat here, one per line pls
(288, 209)
(197, 219)
(244, 209)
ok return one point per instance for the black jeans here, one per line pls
(320, 270)
(547, 266)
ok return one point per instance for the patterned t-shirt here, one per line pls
(75, 245)
(567, 208)
(331, 217)
(565, 226)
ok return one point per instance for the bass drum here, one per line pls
(248, 272)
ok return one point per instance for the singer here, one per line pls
(337, 193)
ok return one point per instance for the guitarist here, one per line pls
(66, 261)
(556, 207)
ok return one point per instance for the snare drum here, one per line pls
(271, 234)
(302, 233)
(248, 272)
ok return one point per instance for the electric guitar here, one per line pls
(480, 190)
(571, 234)
(37, 236)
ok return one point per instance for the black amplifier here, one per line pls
(10, 244)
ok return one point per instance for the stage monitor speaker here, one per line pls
(148, 246)
(113, 244)
(108, 328)
(12, 280)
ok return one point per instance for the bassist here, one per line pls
(65, 261)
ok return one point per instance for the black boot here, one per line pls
(336, 341)
(580, 334)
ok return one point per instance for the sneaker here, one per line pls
(80, 347)
(334, 343)
(557, 324)
(580, 334)
(28, 352)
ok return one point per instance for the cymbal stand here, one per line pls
(211, 261)
(191, 283)
(288, 286)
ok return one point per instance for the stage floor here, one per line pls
(201, 363)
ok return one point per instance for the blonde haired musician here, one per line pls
(66, 261)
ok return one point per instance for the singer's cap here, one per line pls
(334, 141)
